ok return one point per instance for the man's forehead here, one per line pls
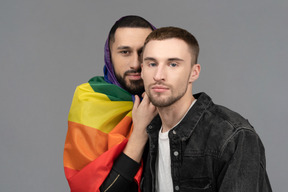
(130, 38)
(133, 29)
(168, 49)
(131, 32)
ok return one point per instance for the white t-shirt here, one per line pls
(163, 164)
(164, 181)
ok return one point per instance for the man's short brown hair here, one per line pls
(175, 32)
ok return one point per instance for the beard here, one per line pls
(157, 101)
(135, 87)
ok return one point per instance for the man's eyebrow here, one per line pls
(149, 59)
(175, 59)
(123, 47)
(169, 59)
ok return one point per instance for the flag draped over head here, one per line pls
(109, 73)
(99, 124)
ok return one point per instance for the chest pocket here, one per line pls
(196, 185)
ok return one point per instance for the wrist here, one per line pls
(135, 147)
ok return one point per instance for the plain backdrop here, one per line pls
(49, 47)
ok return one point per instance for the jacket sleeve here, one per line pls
(121, 177)
(244, 167)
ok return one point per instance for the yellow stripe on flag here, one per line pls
(96, 110)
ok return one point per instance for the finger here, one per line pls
(145, 99)
(136, 102)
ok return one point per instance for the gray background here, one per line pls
(49, 47)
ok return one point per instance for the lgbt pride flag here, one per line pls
(99, 123)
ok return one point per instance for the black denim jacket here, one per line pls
(212, 149)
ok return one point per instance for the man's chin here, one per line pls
(135, 87)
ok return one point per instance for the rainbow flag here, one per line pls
(99, 123)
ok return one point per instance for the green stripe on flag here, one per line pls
(112, 91)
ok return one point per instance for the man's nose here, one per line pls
(135, 61)
(159, 74)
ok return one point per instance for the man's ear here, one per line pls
(195, 72)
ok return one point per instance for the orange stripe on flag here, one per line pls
(84, 144)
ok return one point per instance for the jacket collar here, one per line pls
(185, 128)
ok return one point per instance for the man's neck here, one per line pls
(172, 114)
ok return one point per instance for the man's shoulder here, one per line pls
(230, 118)
(98, 85)
(220, 115)
(91, 81)
(220, 125)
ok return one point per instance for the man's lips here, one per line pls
(159, 88)
(134, 76)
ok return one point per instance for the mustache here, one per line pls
(132, 71)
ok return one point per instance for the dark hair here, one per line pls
(133, 21)
(175, 32)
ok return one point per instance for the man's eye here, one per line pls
(173, 64)
(152, 64)
(124, 52)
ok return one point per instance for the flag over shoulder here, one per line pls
(99, 124)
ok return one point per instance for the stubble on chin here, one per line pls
(160, 100)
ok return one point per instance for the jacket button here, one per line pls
(176, 153)
(174, 132)
(177, 188)
(150, 127)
